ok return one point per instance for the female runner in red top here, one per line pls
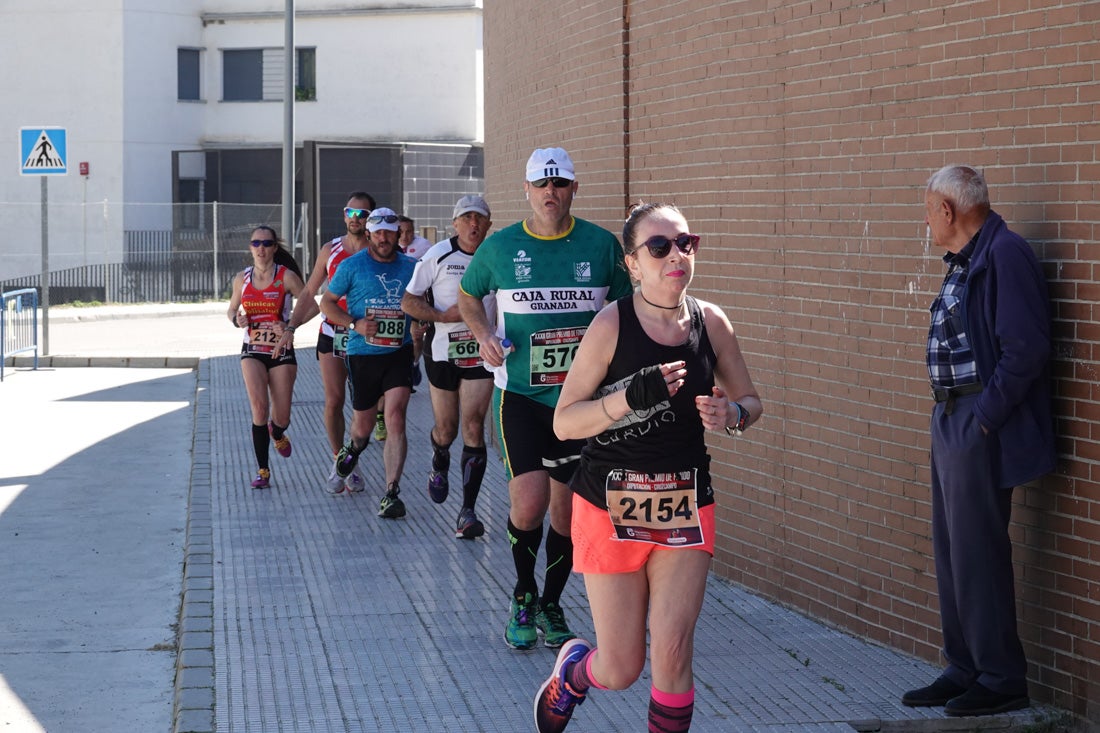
(261, 304)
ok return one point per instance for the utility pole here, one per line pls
(288, 125)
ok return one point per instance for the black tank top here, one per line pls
(668, 437)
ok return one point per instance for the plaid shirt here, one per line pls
(950, 360)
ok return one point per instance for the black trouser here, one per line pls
(970, 516)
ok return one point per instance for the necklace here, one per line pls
(359, 243)
(662, 307)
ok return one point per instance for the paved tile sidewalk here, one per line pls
(306, 612)
(328, 618)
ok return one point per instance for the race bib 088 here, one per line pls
(391, 327)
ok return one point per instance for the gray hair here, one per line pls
(962, 185)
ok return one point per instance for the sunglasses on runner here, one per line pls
(263, 242)
(558, 182)
(659, 246)
(388, 218)
(356, 213)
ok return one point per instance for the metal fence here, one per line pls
(134, 253)
(18, 325)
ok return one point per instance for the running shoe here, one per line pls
(380, 428)
(520, 632)
(282, 445)
(438, 486)
(262, 480)
(392, 507)
(346, 461)
(469, 526)
(550, 621)
(334, 484)
(356, 482)
(556, 700)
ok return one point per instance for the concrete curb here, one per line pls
(193, 701)
(26, 361)
(1044, 718)
(121, 312)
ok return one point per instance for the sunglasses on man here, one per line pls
(388, 218)
(659, 246)
(558, 182)
(356, 213)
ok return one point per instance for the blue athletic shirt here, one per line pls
(375, 287)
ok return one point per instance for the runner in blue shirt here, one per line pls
(379, 351)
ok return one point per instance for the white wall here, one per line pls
(106, 71)
(62, 66)
(381, 76)
(155, 123)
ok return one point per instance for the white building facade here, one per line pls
(181, 103)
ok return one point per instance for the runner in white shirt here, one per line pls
(414, 246)
(461, 386)
(408, 240)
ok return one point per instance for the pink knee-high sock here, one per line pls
(579, 675)
(670, 712)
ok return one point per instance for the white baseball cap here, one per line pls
(473, 202)
(382, 219)
(550, 163)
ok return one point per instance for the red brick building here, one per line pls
(797, 137)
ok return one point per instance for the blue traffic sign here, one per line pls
(43, 151)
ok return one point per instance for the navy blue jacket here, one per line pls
(1007, 312)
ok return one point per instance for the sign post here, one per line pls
(44, 152)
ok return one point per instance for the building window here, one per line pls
(257, 75)
(187, 75)
(243, 75)
(305, 78)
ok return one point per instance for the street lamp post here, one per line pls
(288, 126)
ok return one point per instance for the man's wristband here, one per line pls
(291, 328)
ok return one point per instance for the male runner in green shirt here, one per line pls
(551, 274)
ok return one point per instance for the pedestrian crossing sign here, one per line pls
(43, 151)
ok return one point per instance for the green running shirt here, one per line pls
(547, 289)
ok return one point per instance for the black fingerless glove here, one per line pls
(647, 388)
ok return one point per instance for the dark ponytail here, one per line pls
(282, 254)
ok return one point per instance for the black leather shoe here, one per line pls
(980, 700)
(935, 694)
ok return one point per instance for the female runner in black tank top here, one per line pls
(651, 375)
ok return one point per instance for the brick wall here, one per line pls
(797, 137)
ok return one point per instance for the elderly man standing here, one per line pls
(379, 350)
(992, 429)
(551, 273)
